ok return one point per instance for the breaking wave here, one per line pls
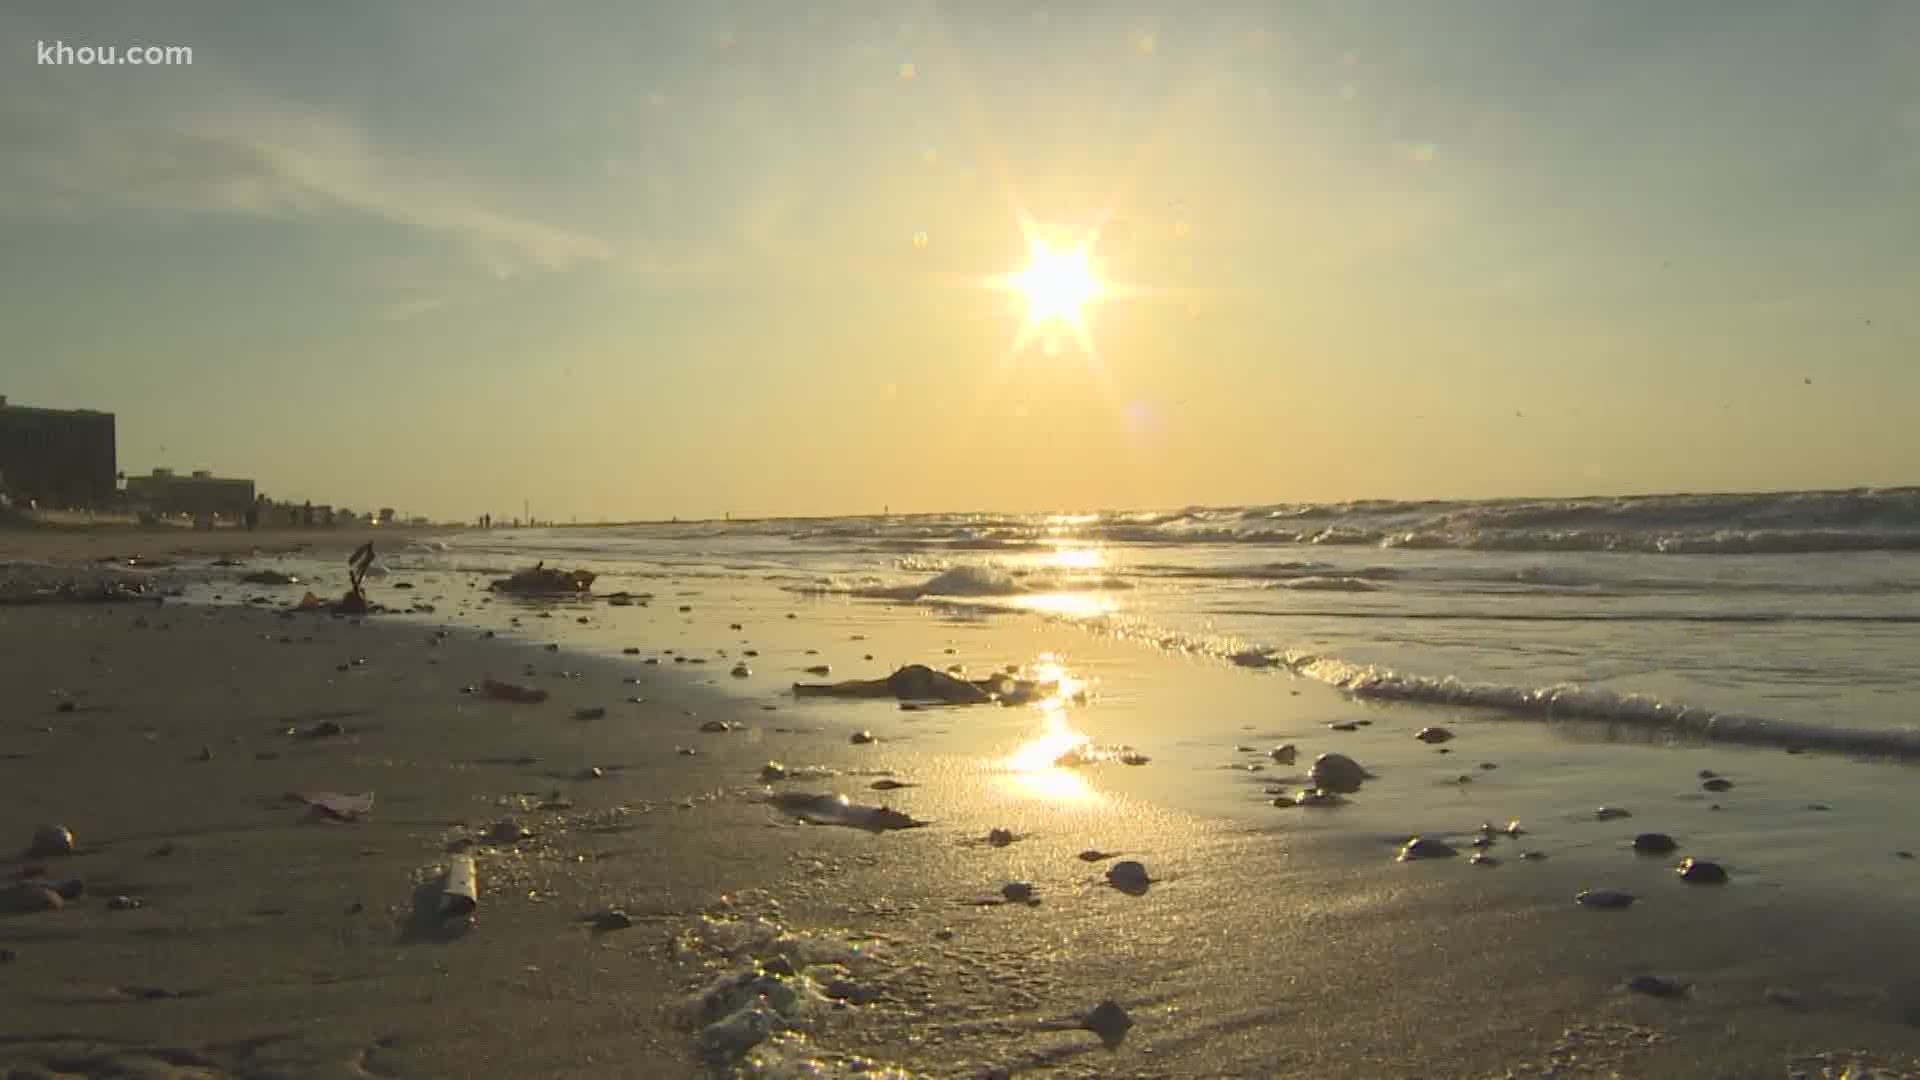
(1564, 701)
(1801, 522)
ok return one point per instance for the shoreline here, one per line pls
(1262, 920)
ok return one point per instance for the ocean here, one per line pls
(1785, 618)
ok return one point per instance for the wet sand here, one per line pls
(1273, 942)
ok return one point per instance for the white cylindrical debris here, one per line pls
(461, 895)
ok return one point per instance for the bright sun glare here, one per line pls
(1057, 285)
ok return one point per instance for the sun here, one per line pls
(1057, 285)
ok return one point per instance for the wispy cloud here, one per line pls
(78, 152)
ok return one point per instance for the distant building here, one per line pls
(199, 494)
(57, 457)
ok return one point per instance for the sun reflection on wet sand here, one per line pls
(1046, 765)
(1077, 558)
(1073, 605)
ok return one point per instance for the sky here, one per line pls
(626, 261)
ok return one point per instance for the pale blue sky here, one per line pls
(647, 259)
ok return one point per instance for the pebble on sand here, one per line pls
(50, 840)
(820, 669)
(591, 712)
(1284, 754)
(613, 919)
(1019, 892)
(1481, 858)
(715, 727)
(1343, 725)
(505, 831)
(1433, 735)
(1665, 986)
(741, 671)
(1001, 837)
(1718, 783)
(1337, 773)
(27, 898)
(1700, 872)
(1654, 843)
(1604, 899)
(1422, 847)
(1109, 1021)
(1611, 813)
(862, 738)
(1129, 877)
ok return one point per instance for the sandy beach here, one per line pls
(257, 939)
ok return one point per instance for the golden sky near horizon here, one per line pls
(747, 258)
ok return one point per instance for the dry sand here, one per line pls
(287, 946)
